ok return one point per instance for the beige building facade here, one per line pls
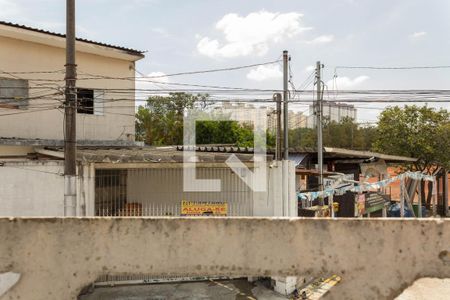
(32, 86)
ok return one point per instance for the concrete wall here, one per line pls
(23, 56)
(36, 188)
(32, 189)
(6, 151)
(271, 203)
(377, 259)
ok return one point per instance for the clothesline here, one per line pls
(365, 186)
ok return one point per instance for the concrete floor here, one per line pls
(239, 289)
(427, 288)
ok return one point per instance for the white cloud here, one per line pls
(265, 72)
(310, 68)
(417, 35)
(251, 34)
(346, 82)
(323, 39)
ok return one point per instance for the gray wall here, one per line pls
(32, 189)
(36, 188)
(376, 258)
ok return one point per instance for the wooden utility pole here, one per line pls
(285, 103)
(70, 173)
(319, 124)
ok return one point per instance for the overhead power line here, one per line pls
(29, 111)
(394, 67)
(193, 72)
(35, 72)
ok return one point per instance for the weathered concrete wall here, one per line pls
(33, 188)
(36, 189)
(377, 259)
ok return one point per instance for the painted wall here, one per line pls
(36, 188)
(6, 151)
(376, 258)
(23, 56)
(32, 189)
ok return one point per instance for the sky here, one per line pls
(192, 35)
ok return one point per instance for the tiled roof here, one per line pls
(128, 50)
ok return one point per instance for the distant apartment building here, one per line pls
(296, 119)
(333, 111)
(242, 111)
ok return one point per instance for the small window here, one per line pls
(85, 101)
(90, 102)
(13, 93)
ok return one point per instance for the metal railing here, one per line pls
(159, 192)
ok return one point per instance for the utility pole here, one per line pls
(285, 162)
(445, 190)
(70, 173)
(419, 199)
(285, 107)
(277, 97)
(319, 124)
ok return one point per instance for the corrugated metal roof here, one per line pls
(297, 158)
(12, 141)
(128, 50)
(219, 148)
(147, 154)
(367, 154)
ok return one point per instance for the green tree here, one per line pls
(419, 132)
(302, 138)
(344, 134)
(228, 132)
(160, 122)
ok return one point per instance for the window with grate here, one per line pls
(90, 102)
(13, 93)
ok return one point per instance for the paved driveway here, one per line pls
(218, 290)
